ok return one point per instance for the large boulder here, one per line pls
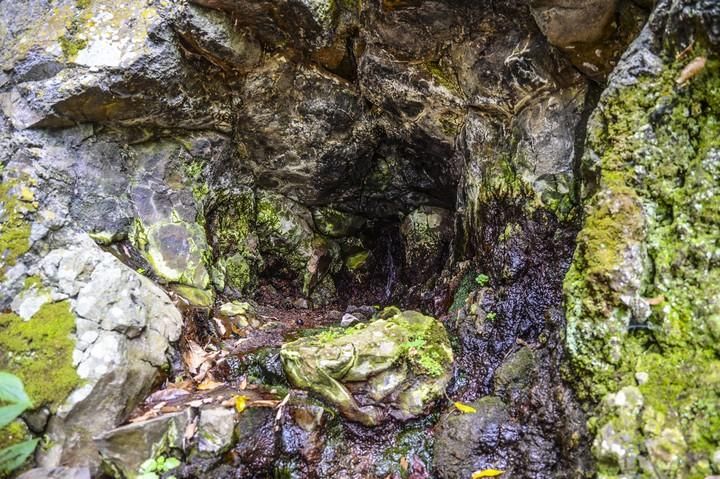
(402, 363)
(88, 336)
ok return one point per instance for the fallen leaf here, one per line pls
(209, 384)
(243, 383)
(168, 394)
(280, 408)
(222, 330)
(159, 405)
(264, 403)
(228, 403)
(240, 403)
(656, 300)
(204, 369)
(404, 463)
(144, 417)
(194, 356)
(465, 409)
(190, 431)
(691, 70)
(486, 473)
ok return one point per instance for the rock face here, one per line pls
(403, 362)
(417, 152)
(641, 295)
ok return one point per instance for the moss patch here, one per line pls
(14, 433)
(16, 203)
(642, 292)
(39, 352)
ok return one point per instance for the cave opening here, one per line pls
(378, 233)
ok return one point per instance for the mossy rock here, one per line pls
(39, 351)
(642, 290)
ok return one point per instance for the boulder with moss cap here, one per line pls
(394, 366)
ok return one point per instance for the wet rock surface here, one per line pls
(206, 206)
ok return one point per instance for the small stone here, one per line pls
(348, 319)
(215, 430)
(641, 377)
(37, 420)
(196, 296)
(237, 308)
(716, 458)
(57, 473)
(334, 315)
(300, 303)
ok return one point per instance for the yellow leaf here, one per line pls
(464, 408)
(240, 403)
(486, 473)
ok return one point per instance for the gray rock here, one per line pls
(348, 320)
(466, 443)
(124, 449)
(121, 343)
(56, 473)
(426, 234)
(215, 431)
(565, 22)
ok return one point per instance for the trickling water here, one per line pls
(390, 267)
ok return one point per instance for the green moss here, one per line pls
(443, 78)
(16, 203)
(357, 260)
(238, 273)
(650, 239)
(427, 347)
(14, 433)
(267, 214)
(39, 352)
(467, 286)
(72, 41)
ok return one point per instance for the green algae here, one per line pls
(39, 351)
(641, 294)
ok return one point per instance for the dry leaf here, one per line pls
(190, 431)
(466, 409)
(194, 356)
(228, 403)
(691, 70)
(209, 384)
(264, 403)
(404, 463)
(280, 407)
(204, 369)
(656, 300)
(486, 473)
(159, 405)
(243, 383)
(221, 327)
(148, 415)
(168, 394)
(240, 403)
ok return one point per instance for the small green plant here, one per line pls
(154, 467)
(13, 402)
(491, 316)
(482, 279)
